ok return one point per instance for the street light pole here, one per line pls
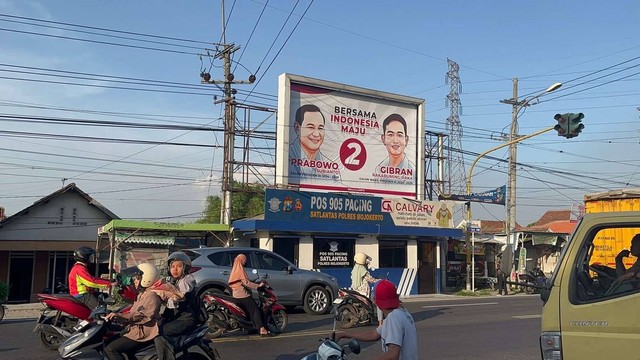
(473, 165)
(510, 221)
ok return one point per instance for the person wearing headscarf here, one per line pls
(361, 278)
(241, 289)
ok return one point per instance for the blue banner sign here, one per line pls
(496, 196)
(344, 208)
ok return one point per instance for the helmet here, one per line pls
(183, 258)
(150, 274)
(83, 254)
(362, 258)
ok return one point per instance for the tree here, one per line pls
(247, 201)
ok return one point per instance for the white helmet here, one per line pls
(362, 258)
(150, 274)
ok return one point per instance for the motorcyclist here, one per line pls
(361, 277)
(142, 321)
(81, 283)
(241, 290)
(181, 313)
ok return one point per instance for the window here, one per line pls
(225, 258)
(595, 274)
(268, 261)
(392, 253)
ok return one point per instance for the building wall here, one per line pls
(46, 223)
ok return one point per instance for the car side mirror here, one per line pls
(289, 270)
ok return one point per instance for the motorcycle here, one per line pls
(329, 348)
(532, 281)
(354, 308)
(2, 309)
(60, 288)
(225, 314)
(88, 340)
(63, 312)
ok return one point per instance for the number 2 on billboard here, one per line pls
(353, 154)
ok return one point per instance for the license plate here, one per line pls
(337, 301)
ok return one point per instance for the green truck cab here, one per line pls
(589, 312)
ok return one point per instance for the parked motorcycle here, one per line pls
(63, 312)
(533, 280)
(354, 308)
(329, 348)
(2, 309)
(88, 340)
(60, 288)
(227, 315)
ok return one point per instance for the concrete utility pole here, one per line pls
(229, 119)
(516, 106)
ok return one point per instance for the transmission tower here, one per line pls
(455, 174)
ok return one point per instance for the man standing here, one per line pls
(397, 332)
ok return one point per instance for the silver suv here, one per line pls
(315, 291)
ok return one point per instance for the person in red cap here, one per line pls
(397, 332)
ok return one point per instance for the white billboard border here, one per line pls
(284, 108)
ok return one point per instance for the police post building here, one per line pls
(350, 178)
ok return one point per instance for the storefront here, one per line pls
(323, 231)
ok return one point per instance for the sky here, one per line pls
(139, 63)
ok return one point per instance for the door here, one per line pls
(427, 268)
(598, 310)
(20, 276)
(285, 285)
(287, 248)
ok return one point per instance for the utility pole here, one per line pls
(513, 149)
(229, 119)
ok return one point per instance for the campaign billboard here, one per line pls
(339, 138)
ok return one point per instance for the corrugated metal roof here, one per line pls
(145, 239)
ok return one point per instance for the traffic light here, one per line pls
(569, 125)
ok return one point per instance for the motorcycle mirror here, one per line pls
(354, 346)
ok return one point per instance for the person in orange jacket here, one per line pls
(81, 283)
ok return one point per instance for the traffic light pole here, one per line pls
(473, 165)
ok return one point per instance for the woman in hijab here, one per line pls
(361, 277)
(241, 289)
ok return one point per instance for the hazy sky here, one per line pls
(399, 47)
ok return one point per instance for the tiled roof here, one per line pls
(494, 227)
(553, 215)
(558, 227)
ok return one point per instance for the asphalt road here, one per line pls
(482, 328)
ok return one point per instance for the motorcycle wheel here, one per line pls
(347, 316)
(277, 322)
(214, 329)
(49, 340)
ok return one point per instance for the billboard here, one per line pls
(338, 138)
(334, 209)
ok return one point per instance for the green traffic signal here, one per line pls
(569, 124)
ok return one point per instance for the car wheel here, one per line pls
(316, 300)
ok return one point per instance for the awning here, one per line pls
(538, 239)
(145, 239)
